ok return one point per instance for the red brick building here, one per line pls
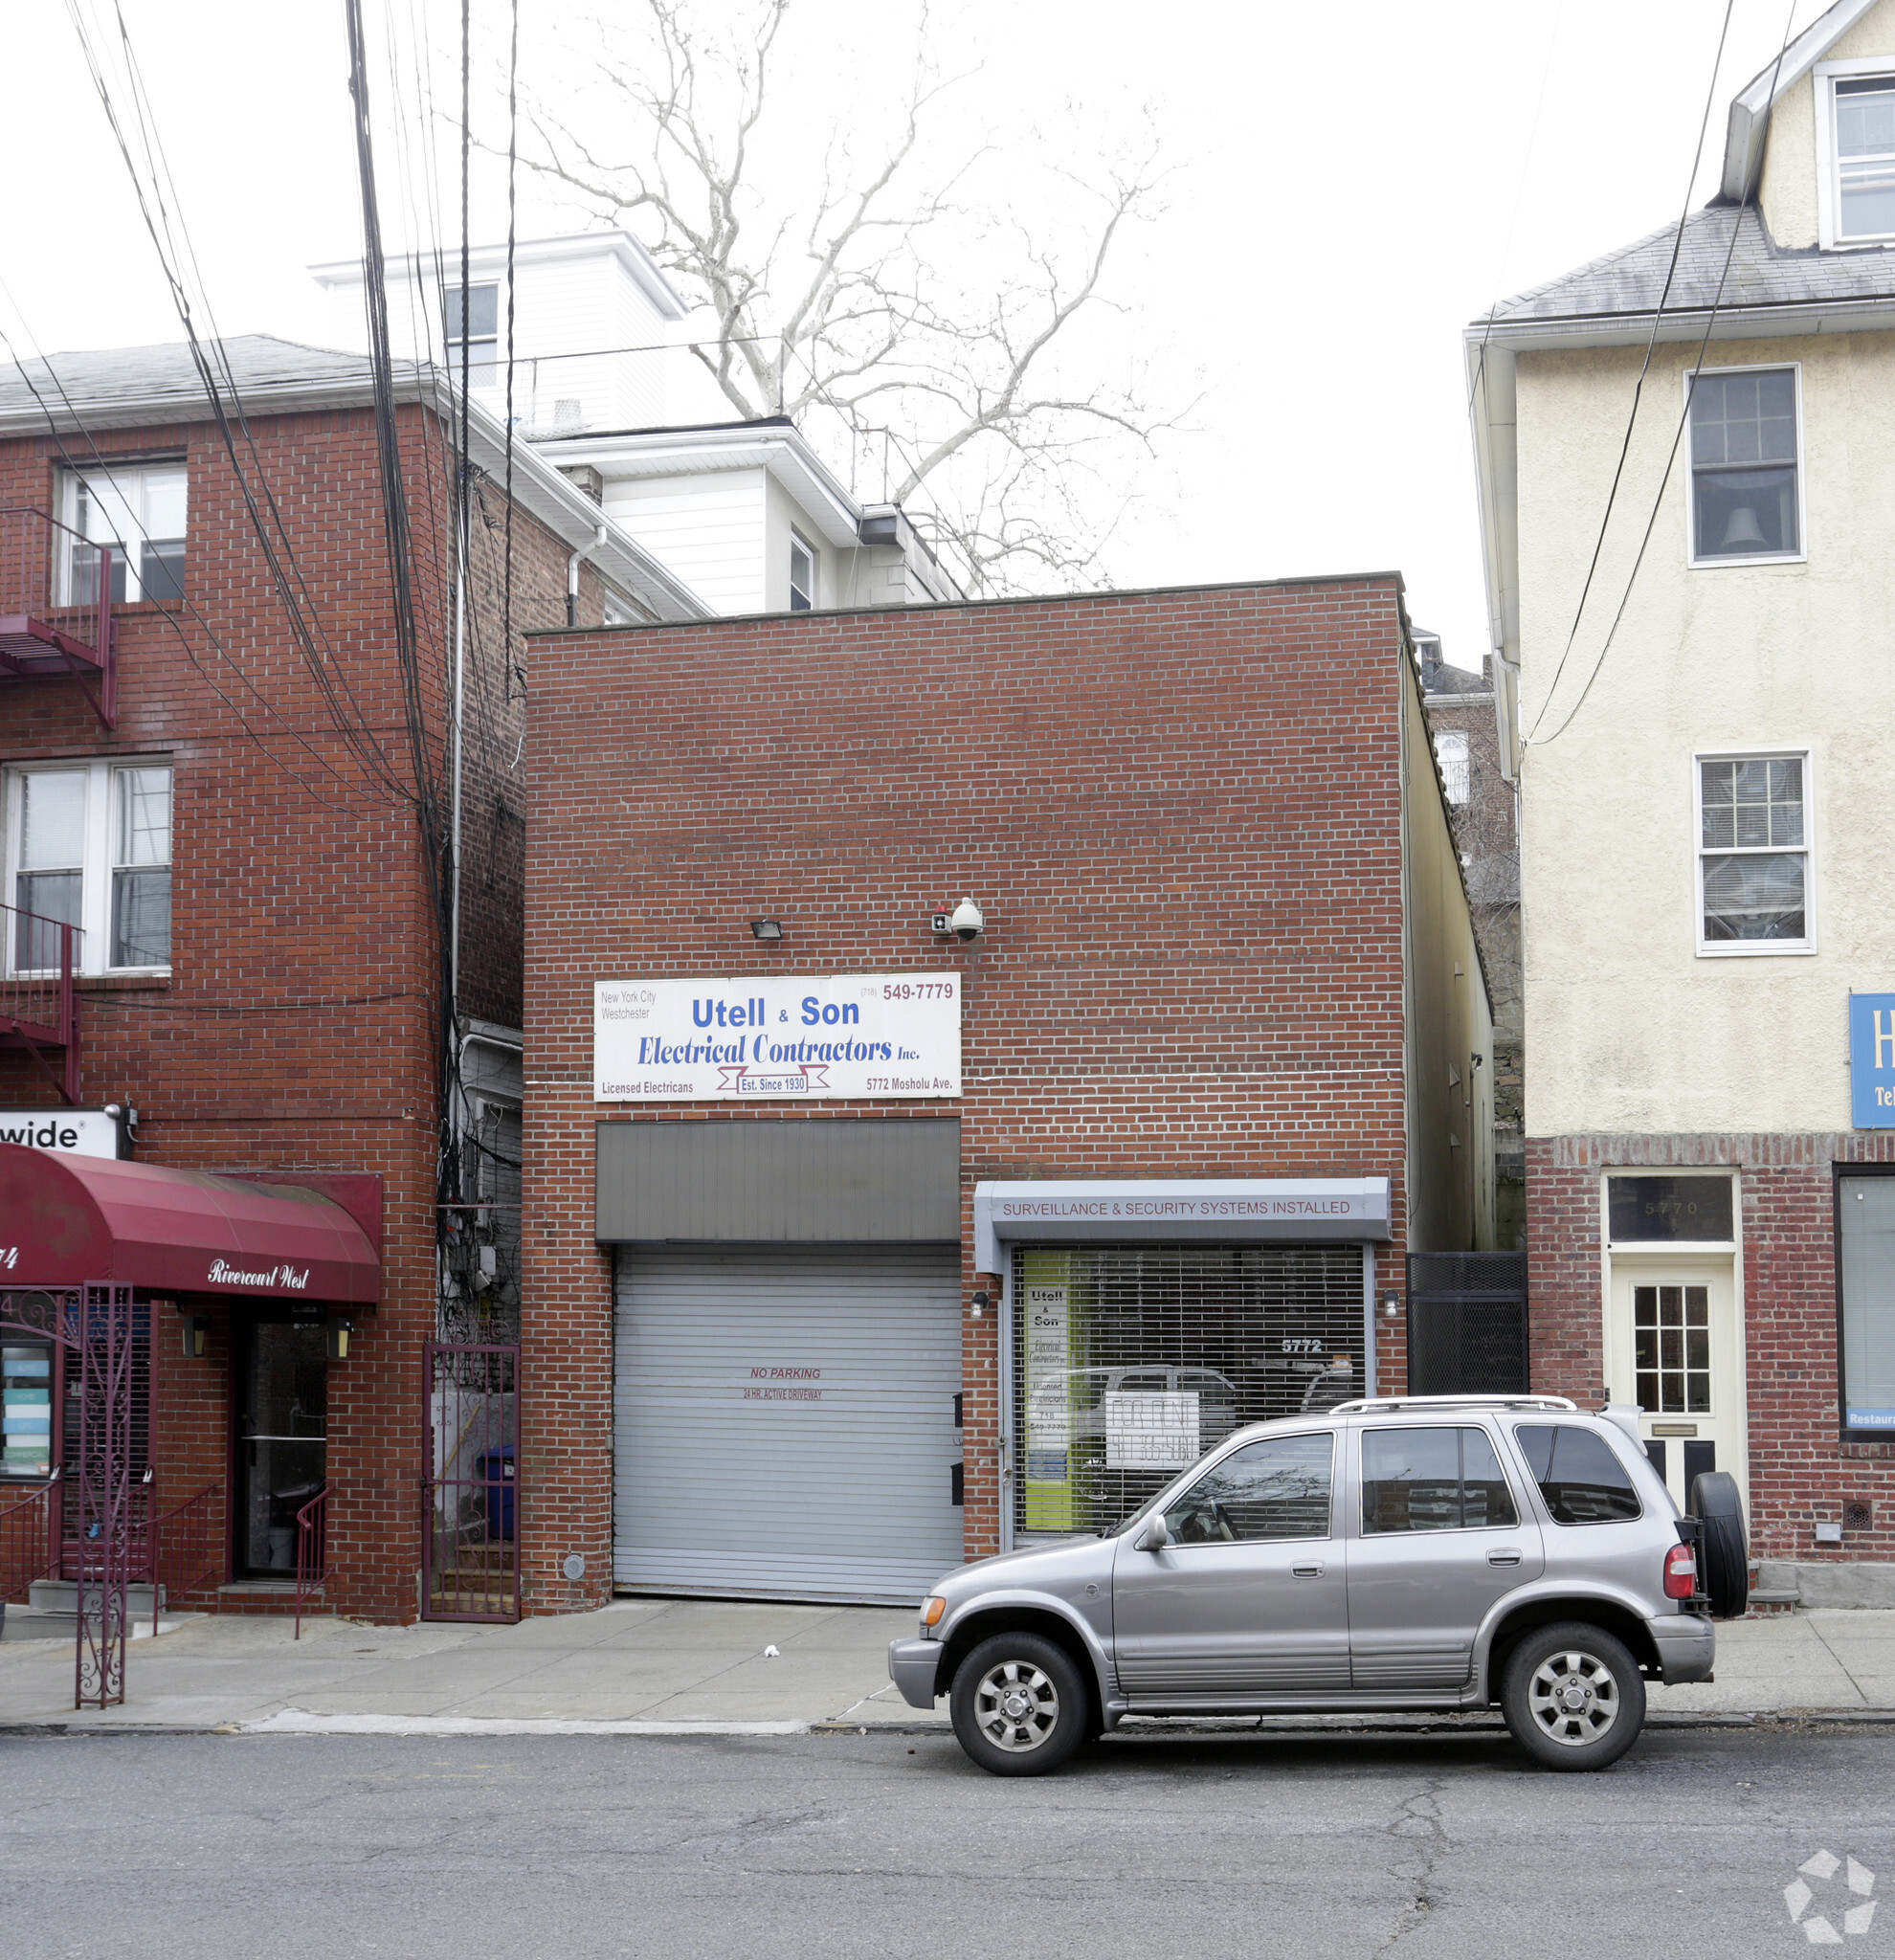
(976, 1057)
(245, 814)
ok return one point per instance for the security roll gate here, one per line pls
(1130, 1361)
(786, 1421)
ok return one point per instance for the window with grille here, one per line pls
(1863, 191)
(1754, 854)
(1746, 497)
(472, 322)
(1129, 1361)
(1671, 1336)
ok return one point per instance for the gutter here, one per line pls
(572, 565)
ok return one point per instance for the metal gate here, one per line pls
(1468, 1324)
(1130, 1361)
(471, 1567)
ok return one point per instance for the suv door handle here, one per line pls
(1503, 1558)
(1306, 1571)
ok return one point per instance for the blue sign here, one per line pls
(1872, 1060)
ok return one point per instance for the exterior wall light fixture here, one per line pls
(338, 1333)
(197, 1325)
(768, 931)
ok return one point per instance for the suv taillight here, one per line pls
(1681, 1572)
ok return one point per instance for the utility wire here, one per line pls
(1683, 416)
(1645, 369)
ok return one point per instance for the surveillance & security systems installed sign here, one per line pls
(863, 1035)
(1872, 1060)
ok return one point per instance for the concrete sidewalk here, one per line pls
(652, 1666)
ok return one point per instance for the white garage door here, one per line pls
(784, 1422)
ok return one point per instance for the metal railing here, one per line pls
(179, 1553)
(312, 1551)
(26, 1543)
(39, 961)
(56, 593)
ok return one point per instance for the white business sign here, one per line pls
(1152, 1432)
(863, 1035)
(71, 1132)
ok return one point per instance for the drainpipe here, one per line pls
(572, 565)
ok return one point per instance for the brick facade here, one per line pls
(1800, 1467)
(1181, 812)
(298, 1027)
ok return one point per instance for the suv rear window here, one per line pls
(1578, 1473)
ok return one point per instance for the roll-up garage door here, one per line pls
(784, 1422)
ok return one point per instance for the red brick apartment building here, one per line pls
(976, 1057)
(227, 1074)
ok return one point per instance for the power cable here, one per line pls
(1645, 369)
(1683, 420)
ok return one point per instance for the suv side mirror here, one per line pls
(1156, 1535)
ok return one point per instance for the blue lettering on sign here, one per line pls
(1872, 1060)
(818, 1014)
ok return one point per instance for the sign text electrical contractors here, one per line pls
(863, 1035)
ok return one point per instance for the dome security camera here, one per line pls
(967, 922)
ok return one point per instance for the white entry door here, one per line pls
(1675, 1351)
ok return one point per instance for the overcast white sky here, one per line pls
(1351, 184)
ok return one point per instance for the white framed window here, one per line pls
(1856, 153)
(1451, 752)
(471, 327)
(140, 512)
(802, 575)
(1755, 889)
(1747, 464)
(89, 844)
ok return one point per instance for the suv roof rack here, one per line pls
(1383, 1403)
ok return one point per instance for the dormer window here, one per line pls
(1856, 153)
(1865, 156)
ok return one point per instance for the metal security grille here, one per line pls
(1466, 1323)
(472, 1562)
(1131, 1361)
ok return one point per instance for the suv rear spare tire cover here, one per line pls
(1722, 1555)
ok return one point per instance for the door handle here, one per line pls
(1306, 1571)
(1503, 1558)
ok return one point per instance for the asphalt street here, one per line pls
(891, 1844)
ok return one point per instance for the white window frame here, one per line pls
(1755, 949)
(1829, 176)
(800, 542)
(71, 476)
(1455, 769)
(1799, 556)
(452, 345)
(95, 864)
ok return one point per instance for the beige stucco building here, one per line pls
(1687, 486)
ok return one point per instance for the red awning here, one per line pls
(65, 1222)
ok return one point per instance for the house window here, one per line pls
(472, 321)
(1451, 752)
(1745, 488)
(1865, 1261)
(1754, 854)
(802, 575)
(1865, 138)
(139, 514)
(89, 845)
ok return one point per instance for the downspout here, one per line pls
(572, 565)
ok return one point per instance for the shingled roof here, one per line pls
(1760, 274)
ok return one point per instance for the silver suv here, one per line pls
(1420, 1552)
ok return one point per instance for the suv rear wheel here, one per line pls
(1572, 1697)
(1019, 1705)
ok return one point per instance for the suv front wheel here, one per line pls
(1572, 1695)
(1019, 1705)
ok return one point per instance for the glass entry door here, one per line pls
(281, 1446)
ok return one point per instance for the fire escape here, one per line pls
(55, 624)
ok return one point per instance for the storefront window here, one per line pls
(26, 1384)
(1663, 1209)
(1131, 1361)
(1865, 1234)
